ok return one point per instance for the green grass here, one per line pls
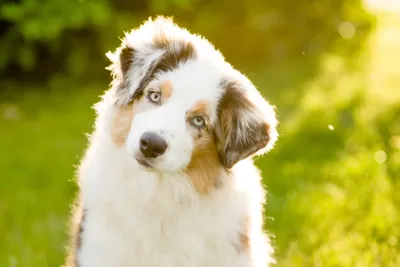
(40, 141)
(334, 198)
(333, 190)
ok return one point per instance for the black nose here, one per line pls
(152, 145)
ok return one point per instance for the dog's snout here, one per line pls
(152, 145)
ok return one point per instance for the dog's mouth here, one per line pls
(144, 163)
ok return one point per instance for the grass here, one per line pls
(333, 195)
(333, 178)
(40, 141)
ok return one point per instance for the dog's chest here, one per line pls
(163, 226)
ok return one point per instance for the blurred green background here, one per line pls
(330, 67)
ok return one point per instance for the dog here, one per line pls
(168, 177)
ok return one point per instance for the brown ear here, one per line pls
(244, 126)
(144, 52)
(121, 62)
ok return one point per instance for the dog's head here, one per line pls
(180, 106)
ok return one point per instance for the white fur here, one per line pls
(140, 218)
(168, 120)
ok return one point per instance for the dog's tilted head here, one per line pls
(180, 106)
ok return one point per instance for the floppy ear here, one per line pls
(246, 123)
(156, 46)
(131, 71)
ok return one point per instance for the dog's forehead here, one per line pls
(195, 81)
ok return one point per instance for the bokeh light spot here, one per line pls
(347, 30)
(380, 156)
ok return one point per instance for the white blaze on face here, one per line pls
(194, 81)
(184, 70)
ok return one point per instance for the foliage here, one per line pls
(31, 22)
(77, 33)
(334, 195)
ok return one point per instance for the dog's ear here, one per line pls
(131, 71)
(155, 46)
(246, 123)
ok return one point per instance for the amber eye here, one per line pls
(155, 97)
(198, 122)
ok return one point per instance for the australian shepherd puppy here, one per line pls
(168, 178)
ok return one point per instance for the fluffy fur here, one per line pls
(201, 202)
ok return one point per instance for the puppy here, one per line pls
(168, 178)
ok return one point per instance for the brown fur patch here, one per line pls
(244, 236)
(204, 169)
(242, 130)
(201, 107)
(122, 125)
(76, 229)
(243, 243)
(160, 39)
(125, 59)
(178, 50)
(166, 90)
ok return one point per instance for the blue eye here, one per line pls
(155, 97)
(198, 122)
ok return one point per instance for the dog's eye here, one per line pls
(198, 122)
(155, 97)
